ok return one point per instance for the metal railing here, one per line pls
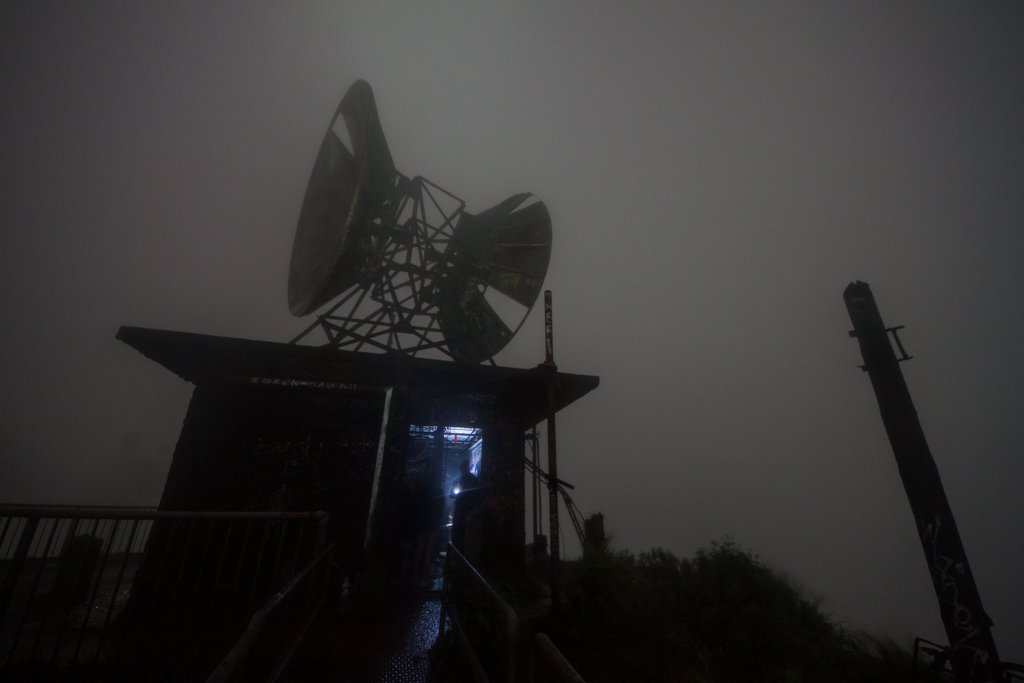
(548, 663)
(485, 627)
(940, 661)
(241, 653)
(88, 584)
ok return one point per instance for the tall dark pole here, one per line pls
(550, 375)
(532, 437)
(538, 525)
(973, 657)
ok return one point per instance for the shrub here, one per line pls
(721, 616)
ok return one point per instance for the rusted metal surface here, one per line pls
(973, 652)
(411, 265)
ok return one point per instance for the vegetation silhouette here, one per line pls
(721, 616)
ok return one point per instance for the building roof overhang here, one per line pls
(201, 358)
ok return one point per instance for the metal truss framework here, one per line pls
(392, 309)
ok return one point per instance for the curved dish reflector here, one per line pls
(502, 248)
(333, 247)
(411, 270)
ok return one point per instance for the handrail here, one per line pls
(555, 659)
(244, 646)
(512, 621)
(96, 512)
(479, 675)
(74, 506)
(283, 664)
(941, 655)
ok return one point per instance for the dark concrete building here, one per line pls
(276, 426)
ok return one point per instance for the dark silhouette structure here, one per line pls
(972, 650)
(397, 263)
(276, 426)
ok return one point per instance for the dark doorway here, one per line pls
(437, 461)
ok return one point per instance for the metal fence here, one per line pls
(91, 584)
(485, 627)
(485, 630)
(291, 614)
(939, 660)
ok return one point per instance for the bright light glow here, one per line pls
(474, 458)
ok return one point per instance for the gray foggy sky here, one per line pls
(716, 173)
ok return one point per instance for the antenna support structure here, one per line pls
(399, 263)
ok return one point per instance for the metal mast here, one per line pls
(973, 653)
(550, 377)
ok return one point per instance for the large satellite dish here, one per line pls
(407, 268)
